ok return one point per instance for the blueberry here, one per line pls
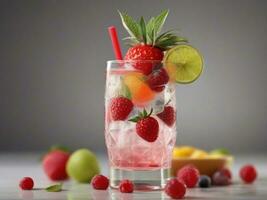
(204, 181)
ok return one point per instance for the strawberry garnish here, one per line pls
(147, 127)
(167, 115)
(120, 108)
(145, 53)
(157, 79)
(147, 44)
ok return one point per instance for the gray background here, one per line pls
(52, 71)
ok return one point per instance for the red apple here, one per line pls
(54, 165)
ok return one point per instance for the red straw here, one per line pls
(115, 42)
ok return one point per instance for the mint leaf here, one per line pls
(170, 41)
(159, 20)
(130, 25)
(54, 188)
(165, 34)
(131, 41)
(150, 30)
(143, 29)
(180, 39)
(170, 34)
(153, 37)
(124, 90)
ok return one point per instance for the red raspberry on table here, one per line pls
(220, 178)
(54, 165)
(144, 53)
(26, 183)
(120, 108)
(126, 186)
(175, 189)
(189, 175)
(167, 115)
(158, 79)
(100, 182)
(226, 172)
(248, 173)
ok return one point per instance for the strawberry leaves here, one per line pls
(135, 119)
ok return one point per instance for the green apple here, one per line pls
(82, 165)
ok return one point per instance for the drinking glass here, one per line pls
(147, 164)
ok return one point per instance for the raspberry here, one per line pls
(100, 182)
(220, 178)
(120, 108)
(204, 181)
(26, 183)
(126, 186)
(226, 172)
(167, 115)
(189, 175)
(175, 189)
(248, 173)
(157, 79)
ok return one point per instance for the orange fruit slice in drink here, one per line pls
(140, 91)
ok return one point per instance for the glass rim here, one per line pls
(133, 61)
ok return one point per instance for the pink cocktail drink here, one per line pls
(140, 105)
(138, 147)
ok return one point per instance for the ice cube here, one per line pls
(169, 93)
(113, 85)
(157, 104)
(121, 131)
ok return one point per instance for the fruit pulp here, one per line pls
(128, 151)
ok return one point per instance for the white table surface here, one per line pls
(15, 166)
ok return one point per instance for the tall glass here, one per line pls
(146, 163)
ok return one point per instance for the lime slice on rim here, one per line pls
(184, 63)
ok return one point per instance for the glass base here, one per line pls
(143, 179)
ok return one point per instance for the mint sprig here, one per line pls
(148, 33)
